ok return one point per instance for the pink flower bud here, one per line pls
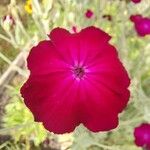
(136, 1)
(89, 13)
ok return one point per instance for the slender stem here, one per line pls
(106, 146)
(18, 69)
(39, 26)
(7, 39)
(11, 37)
(4, 145)
(37, 6)
(14, 10)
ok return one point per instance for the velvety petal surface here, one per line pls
(44, 59)
(94, 116)
(51, 102)
(66, 44)
(76, 78)
(92, 42)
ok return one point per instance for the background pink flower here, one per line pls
(136, 1)
(135, 18)
(76, 78)
(142, 24)
(142, 135)
(89, 13)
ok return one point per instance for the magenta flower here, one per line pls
(136, 1)
(142, 24)
(142, 136)
(135, 18)
(76, 78)
(89, 14)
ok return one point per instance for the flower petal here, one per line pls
(44, 59)
(51, 102)
(62, 40)
(108, 70)
(92, 42)
(94, 35)
(96, 102)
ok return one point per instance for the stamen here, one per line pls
(79, 72)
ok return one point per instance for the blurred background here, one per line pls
(26, 22)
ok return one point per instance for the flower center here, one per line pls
(78, 72)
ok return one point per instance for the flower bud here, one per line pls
(7, 22)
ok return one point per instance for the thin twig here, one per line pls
(13, 65)
(6, 39)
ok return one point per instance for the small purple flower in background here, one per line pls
(142, 136)
(135, 18)
(142, 24)
(136, 1)
(89, 13)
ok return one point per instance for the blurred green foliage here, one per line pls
(19, 121)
